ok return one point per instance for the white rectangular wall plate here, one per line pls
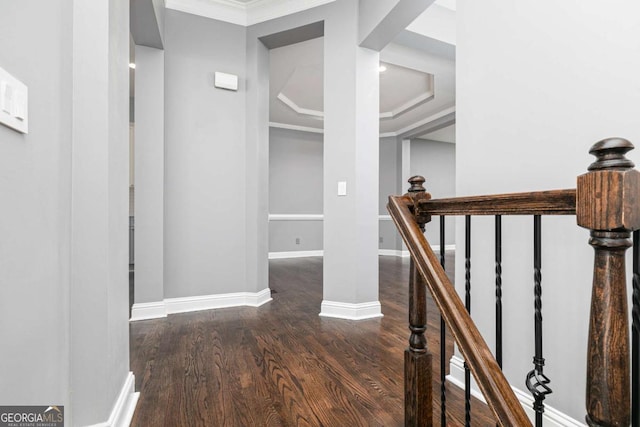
(342, 188)
(14, 103)
(225, 81)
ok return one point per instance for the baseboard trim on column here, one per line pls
(148, 310)
(208, 302)
(343, 310)
(155, 310)
(125, 405)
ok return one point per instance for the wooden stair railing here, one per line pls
(607, 202)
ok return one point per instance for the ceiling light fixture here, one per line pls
(382, 68)
(132, 65)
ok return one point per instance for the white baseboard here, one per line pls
(393, 252)
(383, 252)
(552, 417)
(148, 310)
(197, 303)
(436, 248)
(295, 254)
(125, 406)
(342, 310)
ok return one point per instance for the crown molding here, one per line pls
(450, 111)
(221, 10)
(243, 13)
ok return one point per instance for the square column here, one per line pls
(149, 184)
(351, 145)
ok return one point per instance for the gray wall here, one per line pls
(99, 209)
(295, 172)
(63, 254)
(35, 219)
(205, 183)
(436, 161)
(528, 126)
(149, 179)
(295, 187)
(390, 166)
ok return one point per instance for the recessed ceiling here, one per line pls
(415, 87)
(243, 12)
(447, 134)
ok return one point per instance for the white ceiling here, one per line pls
(243, 12)
(416, 90)
(415, 86)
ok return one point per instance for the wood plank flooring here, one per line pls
(283, 365)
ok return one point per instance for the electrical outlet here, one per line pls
(297, 240)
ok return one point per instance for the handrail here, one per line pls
(554, 202)
(494, 386)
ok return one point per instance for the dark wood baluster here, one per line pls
(537, 382)
(607, 203)
(467, 304)
(418, 405)
(635, 352)
(498, 229)
(443, 339)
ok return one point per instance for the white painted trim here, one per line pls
(411, 104)
(552, 417)
(296, 217)
(383, 252)
(415, 102)
(309, 129)
(148, 310)
(295, 254)
(296, 127)
(449, 4)
(227, 12)
(243, 13)
(295, 107)
(406, 254)
(427, 120)
(202, 302)
(436, 248)
(343, 310)
(124, 407)
(393, 252)
(208, 302)
(317, 217)
(263, 10)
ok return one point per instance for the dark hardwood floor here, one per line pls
(283, 365)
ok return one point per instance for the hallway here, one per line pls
(281, 364)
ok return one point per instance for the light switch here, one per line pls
(14, 103)
(19, 106)
(342, 188)
(6, 98)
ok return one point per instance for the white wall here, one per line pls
(538, 83)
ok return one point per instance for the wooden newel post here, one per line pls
(418, 406)
(608, 203)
